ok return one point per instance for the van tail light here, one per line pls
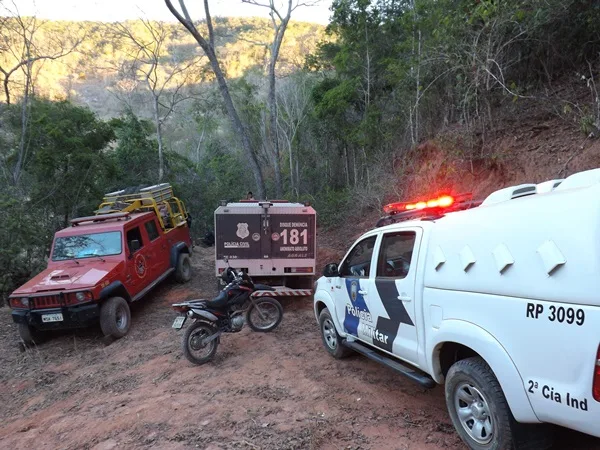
(298, 270)
(596, 385)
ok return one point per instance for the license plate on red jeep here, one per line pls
(58, 317)
(179, 321)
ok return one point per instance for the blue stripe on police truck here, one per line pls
(356, 308)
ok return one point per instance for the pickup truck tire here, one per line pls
(477, 406)
(183, 271)
(29, 335)
(332, 341)
(115, 317)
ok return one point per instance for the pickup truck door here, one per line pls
(349, 288)
(392, 294)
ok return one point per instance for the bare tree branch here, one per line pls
(164, 81)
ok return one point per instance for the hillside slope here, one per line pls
(529, 143)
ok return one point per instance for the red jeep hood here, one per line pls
(68, 276)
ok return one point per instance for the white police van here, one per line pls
(499, 300)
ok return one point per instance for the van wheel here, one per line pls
(331, 339)
(29, 335)
(115, 317)
(183, 271)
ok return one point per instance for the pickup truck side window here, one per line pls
(151, 229)
(134, 235)
(395, 254)
(358, 262)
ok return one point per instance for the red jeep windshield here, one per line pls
(87, 245)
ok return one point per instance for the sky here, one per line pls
(115, 10)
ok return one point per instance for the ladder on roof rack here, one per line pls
(159, 198)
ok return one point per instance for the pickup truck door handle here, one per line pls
(362, 292)
(404, 298)
(338, 287)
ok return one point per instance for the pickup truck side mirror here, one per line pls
(331, 270)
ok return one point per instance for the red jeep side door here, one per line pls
(138, 259)
(157, 248)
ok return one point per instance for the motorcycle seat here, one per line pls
(220, 301)
(263, 287)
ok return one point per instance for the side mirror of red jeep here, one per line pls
(134, 246)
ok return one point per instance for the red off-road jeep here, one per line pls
(102, 263)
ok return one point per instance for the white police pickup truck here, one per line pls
(499, 300)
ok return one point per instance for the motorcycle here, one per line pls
(233, 307)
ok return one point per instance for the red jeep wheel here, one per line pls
(115, 317)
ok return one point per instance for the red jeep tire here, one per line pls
(30, 335)
(183, 271)
(115, 317)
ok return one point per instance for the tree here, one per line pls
(24, 43)
(293, 108)
(208, 46)
(164, 76)
(67, 165)
(280, 18)
(136, 152)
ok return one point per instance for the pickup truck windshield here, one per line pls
(87, 245)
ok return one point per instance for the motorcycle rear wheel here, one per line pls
(264, 314)
(193, 348)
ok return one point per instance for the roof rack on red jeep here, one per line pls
(100, 218)
(159, 198)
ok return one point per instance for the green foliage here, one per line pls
(66, 164)
(223, 176)
(135, 158)
(332, 206)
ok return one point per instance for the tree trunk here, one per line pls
(208, 48)
(6, 90)
(274, 134)
(238, 126)
(291, 169)
(161, 162)
(24, 123)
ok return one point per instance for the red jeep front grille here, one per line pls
(45, 301)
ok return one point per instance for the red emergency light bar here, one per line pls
(443, 201)
(429, 208)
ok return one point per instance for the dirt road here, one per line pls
(264, 391)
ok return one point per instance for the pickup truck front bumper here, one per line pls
(73, 316)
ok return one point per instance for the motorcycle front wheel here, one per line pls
(265, 314)
(194, 348)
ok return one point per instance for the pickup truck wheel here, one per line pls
(115, 317)
(331, 339)
(29, 335)
(183, 271)
(477, 406)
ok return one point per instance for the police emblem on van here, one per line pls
(242, 230)
(353, 291)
